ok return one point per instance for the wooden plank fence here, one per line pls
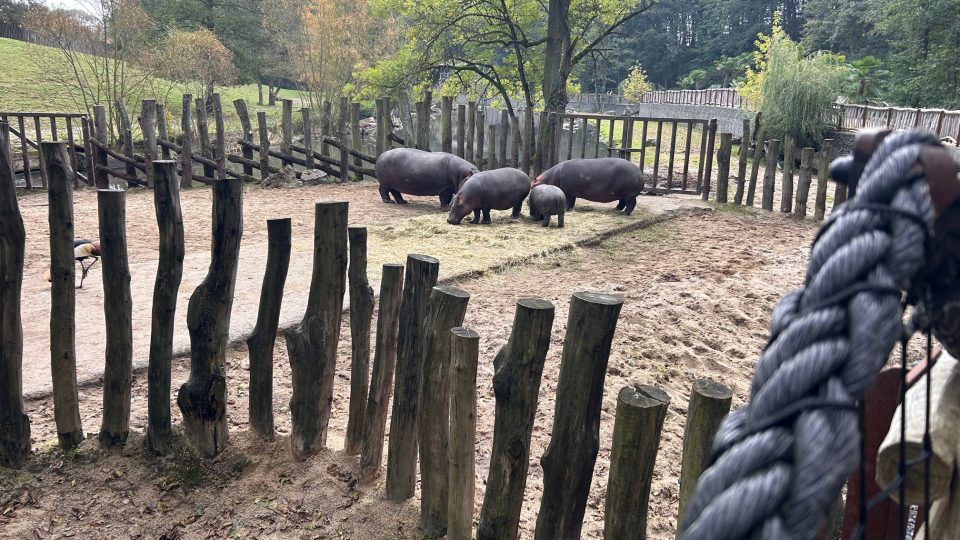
(942, 123)
(717, 97)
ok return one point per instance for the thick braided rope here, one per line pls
(780, 461)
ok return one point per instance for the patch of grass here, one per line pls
(185, 467)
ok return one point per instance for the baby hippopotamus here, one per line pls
(600, 180)
(546, 201)
(500, 189)
(417, 172)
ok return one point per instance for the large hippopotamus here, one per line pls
(500, 189)
(416, 172)
(600, 180)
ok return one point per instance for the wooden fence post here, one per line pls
(515, 141)
(461, 130)
(101, 178)
(529, 145)
(446, 126)
(356, 142)
(803, 186)
(504, 132)
(118, 311)
(148, 123)
(127, 131)
(823, 178)
(85, 127)
(286, 126)
(481, 125)
(418, 129)
(755, 168)
(425, 125)
(247, 128)
(770, 176)
(464, 354)
(384, 361)
(381, 128)
(186, 146)
(166, 196)
(709, 404)
(203, 137)
(471, 130)
(540, 153)
(312, 344)
(162, 131)
(220, 149)
(307, 137)
(448, 306)
(325, 120)
(492, 155)
(63, 354)
(342, 118)
(723, 167)
(711, 148)
(839, 196)
(14, 423)
(789, 154)
(264, 144)
(361, 313)
(202, 399)
(570, 457)
(421, 277)
(518, 368)
(264, 335)
(641, 410)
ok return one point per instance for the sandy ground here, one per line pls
(698, 291)
(394, 230)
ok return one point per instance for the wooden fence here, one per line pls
(941, 122)
(32, 128)
(717, 97)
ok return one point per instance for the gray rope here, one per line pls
(775, 477)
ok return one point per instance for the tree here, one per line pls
(844, 27)
(195, 58)
(693, 80)
(864, 80)
(16, 12)
(636, 85)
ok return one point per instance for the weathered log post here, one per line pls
(127, 131)
(86, 127)
(504, 136)
(162, 129)
(641, 410)
(709, 404)
(492, 155)
(101, 132)
(325, 120)
(166, 196)
(63, 353)
(14, 423)
(286, 126)
(203, 137)
(264, 335)
(461, 130)
(540, 152)
(803, 187)
(471, 130)
(464, 355)
(186, 144)
(264, 144)
(361, 313)
(312, 344)
(202, 399)
(448, 307)
(118, 318)
(823, 178)
(770, 175)
(570, 457)
(839, 196)
(446, 125)
(529, 145)
(515, 142)
(744, 160)
(384, 361)
(148, 125)
(220, 153)
(786, 185)
(518, 368)
(418, 129)
(307, 124)
(424, 126)
(356, 141)
(723, 167)
(421, 277)
(755, 168)
(708, 169)
(481, 131)
(387, 124)
(342, 118)
(381, 128)
(241, 106)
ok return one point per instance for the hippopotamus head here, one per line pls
(543, 178)
(461, 206)
(464, 175)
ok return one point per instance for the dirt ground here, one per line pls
(698, 292)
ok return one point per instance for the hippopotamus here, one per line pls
(600, 180)
(416, 172)
(546, 201)
(500, 189)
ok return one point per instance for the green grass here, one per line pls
(25, 87)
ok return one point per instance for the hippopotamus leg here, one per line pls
(560, 220)
(621, 204)
(546, 221)
(476, 217)
(486, 216)
(571, 200)
(631, 204)
(398, 196)
(445, 199)
(385, 195)
(516, 209)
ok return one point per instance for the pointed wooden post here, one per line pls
(166, 197)
(247, 134)
(786, 185)
(708, 169)
(312, 344)
(101, 178)
(361, 313)
(770, 176)
(127, 131)
(14, 423)
(342, 118)
(803, 187)
(325, 120)
(723, 167)
(823, 179)
(504, 132)
(481, 130)
(464, 353)
(186, 144)
(492, 156)
(264, 335)
(461, 130)
(744, 161)
(755, 169)
(63, 353)
(148, 125)
(118, 318)
(356, 141)
(203, 137)
(307, 136)
(264, 144)
(471, 130)
(381, 128)
(446, 125)
(286, 126)
(515, 142)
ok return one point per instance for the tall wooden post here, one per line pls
(220, 148)
(541, 151)
(312, 344)
(755, 169)
(203, 138)
(325, 120)
(85, 130)
(264, 335)
(361, 313)
(515, 142)
(461, 130)
(381, 128)
(839, 196)
(421, 277)
(770, 176)
(446, 126)
(744, 160)
(101, 132)
(166, 197)
(427, 117)
(641, 410)
(709, 404)
(786, 186)
(247, 134)
(471, 130)
(481, 130)
(803, 187)
(448, 306)
(504, 133)
(384, 361)
(708, 169)
(127, 131)
(264, 144)
(464, 354)
(529, 146)
(518, 368)
(492, 155)
(186, 144)
(148, 124)
(63, 353)
(823, 178)
(307, 136)
(342, 118)
(203, 398)
(118, 318)
(286, 126)
(162, 130)
(356, 141)
(570, 457)
(14, 423)
(387, 124)
(723, 167)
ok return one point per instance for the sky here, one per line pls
(69, 4)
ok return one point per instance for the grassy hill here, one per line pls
(25, 87)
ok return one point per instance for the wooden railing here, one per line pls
(29, 129)
(717, 97)
(941, 122)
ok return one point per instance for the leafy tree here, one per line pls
(693, 80)
(842, 26)
(195, 58)
(15, 12)
(636, 85)
(864, 80)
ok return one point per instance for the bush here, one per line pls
(196, 58)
